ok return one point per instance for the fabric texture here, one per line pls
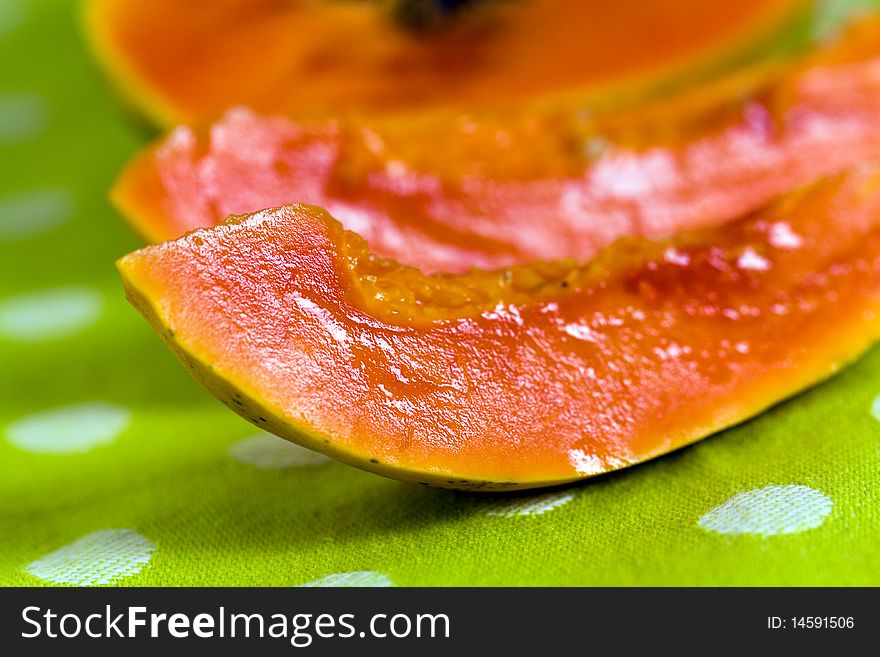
(117, 468)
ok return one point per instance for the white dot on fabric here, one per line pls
(769, 511)
(530, 505)
(268, 451)
(12, 15)
(358, 578)
(22, 117)
(26, 214)
(70, 429)
(102, 557)
(875, 408)
(49, 314)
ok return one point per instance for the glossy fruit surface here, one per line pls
(525, 377)
(447, 191)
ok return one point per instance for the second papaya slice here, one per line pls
(447, 191)
(529, 376)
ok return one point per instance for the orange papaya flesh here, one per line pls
(188, 61)
(525, 377)
(450, 194)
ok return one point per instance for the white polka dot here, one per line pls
(358, 578)
(12, 15)
(875, 408)
(49, 314)
(769, 511)
(70, 429)
(268, 451)
(30, 213)
(102, 557)
(22, 117)
(528, 505)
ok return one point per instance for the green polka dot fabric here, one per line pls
(117, 468)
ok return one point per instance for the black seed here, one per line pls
(374, 461)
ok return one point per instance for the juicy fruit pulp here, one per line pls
(525, 377)
(447, 191)
(188, 61)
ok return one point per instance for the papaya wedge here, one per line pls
(448, 191)
(529, 376)
(188, 61)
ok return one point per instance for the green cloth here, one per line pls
(144, 476)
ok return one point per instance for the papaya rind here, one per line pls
(144, 98)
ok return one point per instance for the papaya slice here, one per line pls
(528, 376)
(188, 61)
(448, 191)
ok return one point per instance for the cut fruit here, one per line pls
(446, 192)
(527, 377)
(188, 61)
